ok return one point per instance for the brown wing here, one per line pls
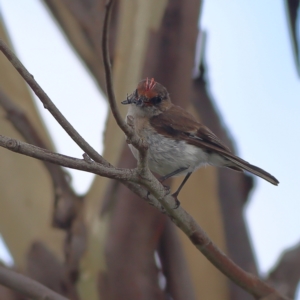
(179, 124)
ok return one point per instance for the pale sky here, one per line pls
(252, 78)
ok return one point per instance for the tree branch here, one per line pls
(132, 137)
(48, 104)
(27, 286)
(66, 161)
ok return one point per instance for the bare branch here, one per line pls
(27, 286)
(124, 175)
(48, 104)
(136, 142)
(285, 276)
(107, 67)
(66, 161)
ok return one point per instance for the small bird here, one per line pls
(178, 143)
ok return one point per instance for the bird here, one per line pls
(177, 143)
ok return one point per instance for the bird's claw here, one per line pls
(177, 202)
(167, 189)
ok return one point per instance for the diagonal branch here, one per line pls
(29, 287)
(48, 104)
(66, 161)
(129, 177)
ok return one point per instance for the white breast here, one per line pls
(167, 155)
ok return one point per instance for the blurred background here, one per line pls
(248, 56)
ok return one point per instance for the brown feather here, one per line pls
(178, 121)
(178, 124)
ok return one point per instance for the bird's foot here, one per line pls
(168, 190)
(177, 202)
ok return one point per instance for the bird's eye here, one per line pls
(156, 100)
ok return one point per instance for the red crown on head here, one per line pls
(149, 84)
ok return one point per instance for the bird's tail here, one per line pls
(238, 163)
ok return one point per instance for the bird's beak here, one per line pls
(127, 101)
(130, 99)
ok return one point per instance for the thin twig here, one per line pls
(48, 104)
(29, 287)
(138, 143)
(66, 161)
(129, 177)
(107, 67)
